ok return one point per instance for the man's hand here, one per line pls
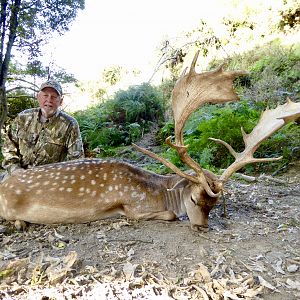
(17, 171)
(13, 168)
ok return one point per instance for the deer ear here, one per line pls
(180, 184)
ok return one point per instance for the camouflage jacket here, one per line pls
(28, 142)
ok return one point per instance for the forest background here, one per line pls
(262, 40)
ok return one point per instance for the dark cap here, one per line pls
(52, 84)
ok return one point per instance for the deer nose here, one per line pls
(200, 228)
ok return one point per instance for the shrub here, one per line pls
(225, 122)
(123, 119)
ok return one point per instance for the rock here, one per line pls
(292, 268)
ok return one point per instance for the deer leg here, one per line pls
(160, 215)
(157, 215)
(20, 225)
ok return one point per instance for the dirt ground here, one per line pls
(252, 253)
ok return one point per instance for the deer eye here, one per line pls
(192, 199)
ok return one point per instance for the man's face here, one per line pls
(49, 101)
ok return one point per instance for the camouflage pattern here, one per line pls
(52, 84)
(28, 142)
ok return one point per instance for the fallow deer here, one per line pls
(91, 189)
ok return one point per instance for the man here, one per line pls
(42, 135)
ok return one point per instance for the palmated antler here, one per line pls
(191, 91)
(270, 121)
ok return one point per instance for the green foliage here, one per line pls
(274, 73)
(283, 143)
(112, 75)
(139, 104)
(225, 122)
(166, 131)
(123, 119)
(18, 102)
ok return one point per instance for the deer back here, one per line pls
(82, 191)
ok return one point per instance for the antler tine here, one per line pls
(200, 178)
(271, 120)
(166, 163)
(193, 64)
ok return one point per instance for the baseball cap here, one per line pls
(52, 84)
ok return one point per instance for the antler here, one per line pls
(270, 121)
(191, 91)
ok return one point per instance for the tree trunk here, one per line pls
(3, 107)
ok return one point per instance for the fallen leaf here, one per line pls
(128, 270)
(278, 267)
(295, 285)
(203, 271)
(266, 284)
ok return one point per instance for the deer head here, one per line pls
(191, 91)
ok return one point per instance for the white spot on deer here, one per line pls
(87, 190)
(80, 194)
(104, 176)
(54, 183)
(93, 182)
(82, 176)
(64, 181)
(142, 196)
(102, 195)
(39, 176)
(46, 183)
(52, 189)
(102, 185)
(61, 188)
(66, 177)
(116, 187)
(74, 168)
(134, 194)
(81, 189)
(28, 182)
(69, 190)
(126, 188)
(18, 192)
(94, 193)
(68, 168)
(110, 188)
(121, 194)
(38, 192)
(72, 177)
(90, 172)
(73, 181)
(97, 175)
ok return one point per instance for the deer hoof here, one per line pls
(20, 225)
(201, 228)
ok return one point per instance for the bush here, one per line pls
(274, 73)
(225, 122)
(123, 119)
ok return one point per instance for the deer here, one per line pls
(87, 190)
